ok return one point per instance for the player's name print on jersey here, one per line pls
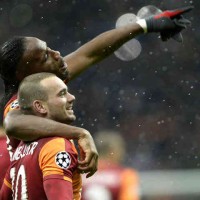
(24, 150)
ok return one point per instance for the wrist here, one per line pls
(143, 24)
(83, 133)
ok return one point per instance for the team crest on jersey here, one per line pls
(14, 104)
(63, 159)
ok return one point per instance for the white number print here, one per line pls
(16, 176)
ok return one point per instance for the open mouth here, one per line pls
(70, 111)
(69, 108)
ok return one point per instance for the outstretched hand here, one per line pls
(179, 21)
(173, 14)
(169, 23)
(88, 162)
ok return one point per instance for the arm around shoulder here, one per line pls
(30, 127)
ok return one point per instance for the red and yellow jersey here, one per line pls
(36, 166)
(7, 144)
(12, 104)
(111, 182)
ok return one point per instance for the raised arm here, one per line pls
(168, 23)
(34, 127)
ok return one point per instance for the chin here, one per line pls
(70, 119)
(74, 118)
(64, 76)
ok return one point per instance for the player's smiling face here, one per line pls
(60, 101)
(38, 57)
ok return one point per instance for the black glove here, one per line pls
(168, 20)
(175, 34)
(169, 23)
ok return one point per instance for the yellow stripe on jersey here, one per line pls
(67, 179)
(7, 184)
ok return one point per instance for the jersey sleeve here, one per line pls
(58, 189)
(58, 160)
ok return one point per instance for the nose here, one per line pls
(70, 97)
(55, 54)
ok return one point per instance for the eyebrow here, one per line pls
(63, 90)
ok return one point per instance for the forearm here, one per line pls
(107, 42)
(29, 127)
(100, 47)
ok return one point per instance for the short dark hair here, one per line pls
(30, 89)
(10, 54)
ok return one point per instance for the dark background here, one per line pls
(154, 100)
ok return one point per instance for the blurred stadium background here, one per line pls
(152, 100)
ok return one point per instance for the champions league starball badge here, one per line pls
(63, 159)
(14, 104)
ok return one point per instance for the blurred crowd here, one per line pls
(152, 101)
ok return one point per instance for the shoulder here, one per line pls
(56, 143)
(57, 157)
(57, 147)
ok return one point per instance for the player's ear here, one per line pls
(39, 107)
